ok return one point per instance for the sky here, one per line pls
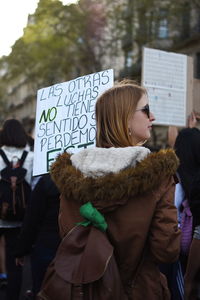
(13, 19)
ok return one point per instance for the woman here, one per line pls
(13, 140)
(187, 147)
(132, 188)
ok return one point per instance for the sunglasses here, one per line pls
(145, 110)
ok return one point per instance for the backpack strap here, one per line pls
(23, 157)
(5, 159)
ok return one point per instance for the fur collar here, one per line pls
(129, 182)
(96, 162)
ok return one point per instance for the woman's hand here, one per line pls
(172, 135)
(19, 261)
(193, 119)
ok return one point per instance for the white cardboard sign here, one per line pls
(65, 117)
(164, 74)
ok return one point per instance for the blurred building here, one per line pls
(21, 102)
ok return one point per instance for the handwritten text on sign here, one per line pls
(65, 117)
(165, 77)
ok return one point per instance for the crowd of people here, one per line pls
(115, 221)
(33, 234)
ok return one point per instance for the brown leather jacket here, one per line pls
(137, 203)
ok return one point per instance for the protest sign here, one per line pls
(65, 117)
(168, 79)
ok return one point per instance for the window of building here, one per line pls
(198, 65)
(163, 25)
(129, 59)
(198, 21)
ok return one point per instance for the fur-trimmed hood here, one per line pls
(96, 162)
(133, 177)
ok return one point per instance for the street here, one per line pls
(26, 284)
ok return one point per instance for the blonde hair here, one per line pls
(114, 108)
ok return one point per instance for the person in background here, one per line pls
(13, 140)
(191, 185)
(132, 188)
(187, 146)
(39, 236)
(3, 273)
(30, 147)
(193, 119)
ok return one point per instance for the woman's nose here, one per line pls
(152, 117)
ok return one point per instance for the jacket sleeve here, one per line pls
(164, 233)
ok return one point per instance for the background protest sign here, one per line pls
(65, 117)
(169, 80)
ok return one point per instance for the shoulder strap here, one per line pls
(5, 159)
(23, 157)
